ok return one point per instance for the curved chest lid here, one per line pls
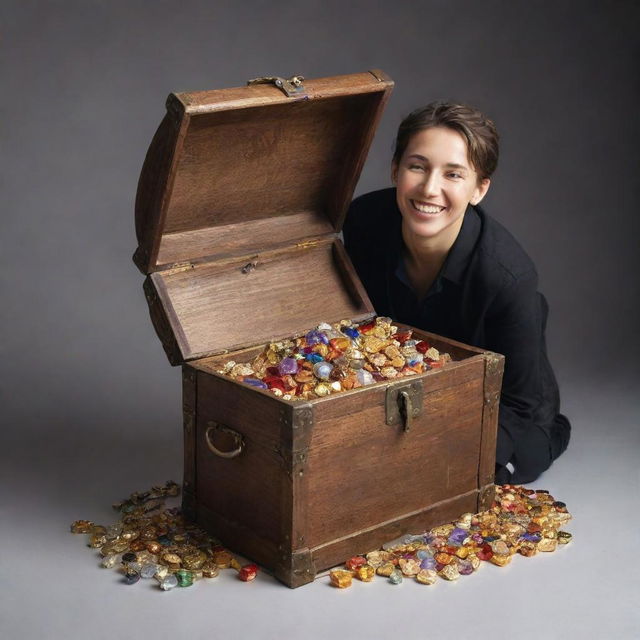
(235, 171)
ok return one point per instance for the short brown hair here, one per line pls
(479, 132)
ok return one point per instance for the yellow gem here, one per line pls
(222, 559)
(365, 573)
(210, 570)
(500, 561)
(409, 566)
(385, 569)
(341, 578)
(547, 544)
(81, 526)
(449, 572)
(426, 576)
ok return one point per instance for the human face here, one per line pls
(435, 182)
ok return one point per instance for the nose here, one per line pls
(431, 185)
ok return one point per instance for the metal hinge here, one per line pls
(180, 266)
(307, 244)
(291, 87)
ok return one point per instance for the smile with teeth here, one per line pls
(422, 207)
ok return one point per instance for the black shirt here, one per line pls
(485, 295)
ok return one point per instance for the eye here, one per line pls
(415, 167)
(454, 175)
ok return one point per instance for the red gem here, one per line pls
(402, 336)
(485, 553)
(422, 346)
(248, 572)
(355, 562)
(274, 382)
(366, 328)
(273, 371)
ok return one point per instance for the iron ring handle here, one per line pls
(238, 439)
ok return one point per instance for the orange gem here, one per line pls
(443, 558)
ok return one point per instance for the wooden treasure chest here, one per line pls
(238, 213)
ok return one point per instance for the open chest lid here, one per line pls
(240, 200)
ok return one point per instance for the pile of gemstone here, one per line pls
(150, 541)
(334, 358)
(520, 521)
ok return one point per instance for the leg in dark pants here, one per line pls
(535, 452)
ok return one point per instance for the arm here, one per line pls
(514, 328)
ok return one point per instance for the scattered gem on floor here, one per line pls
(521, 521)
(151, 541)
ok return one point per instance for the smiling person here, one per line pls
(430, 257)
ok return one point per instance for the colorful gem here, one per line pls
(341, 578)
(396, 577)
(547, 544)
(353, 563)
(248, 572)
(210, 570)
(449, 572)
(426, 576)
(108, 562)
(386, 569)
(564, 537)
(365, 573)
(168, 582)
(81, 526)
(131, 576)
(185, 577)
(409, 566)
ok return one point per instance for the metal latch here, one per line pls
(403, 403)
(292, 87)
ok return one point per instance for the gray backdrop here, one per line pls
(90, 406)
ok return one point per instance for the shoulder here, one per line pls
(501, 259)
(376, 206)
(372, 218)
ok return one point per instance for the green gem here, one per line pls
(185, 577)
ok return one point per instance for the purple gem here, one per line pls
(465, 567)
(458, 536)
(477, 538)
(428, 563)
(531, 537)
(254, 382)
(288, 366)
(315, 336)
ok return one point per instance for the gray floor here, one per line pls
(53, 587)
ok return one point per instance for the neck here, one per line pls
(431, 251)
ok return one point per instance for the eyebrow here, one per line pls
(450, 165)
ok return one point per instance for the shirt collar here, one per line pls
(457, 259)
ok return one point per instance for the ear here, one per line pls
(394, 173)
(480, 191)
